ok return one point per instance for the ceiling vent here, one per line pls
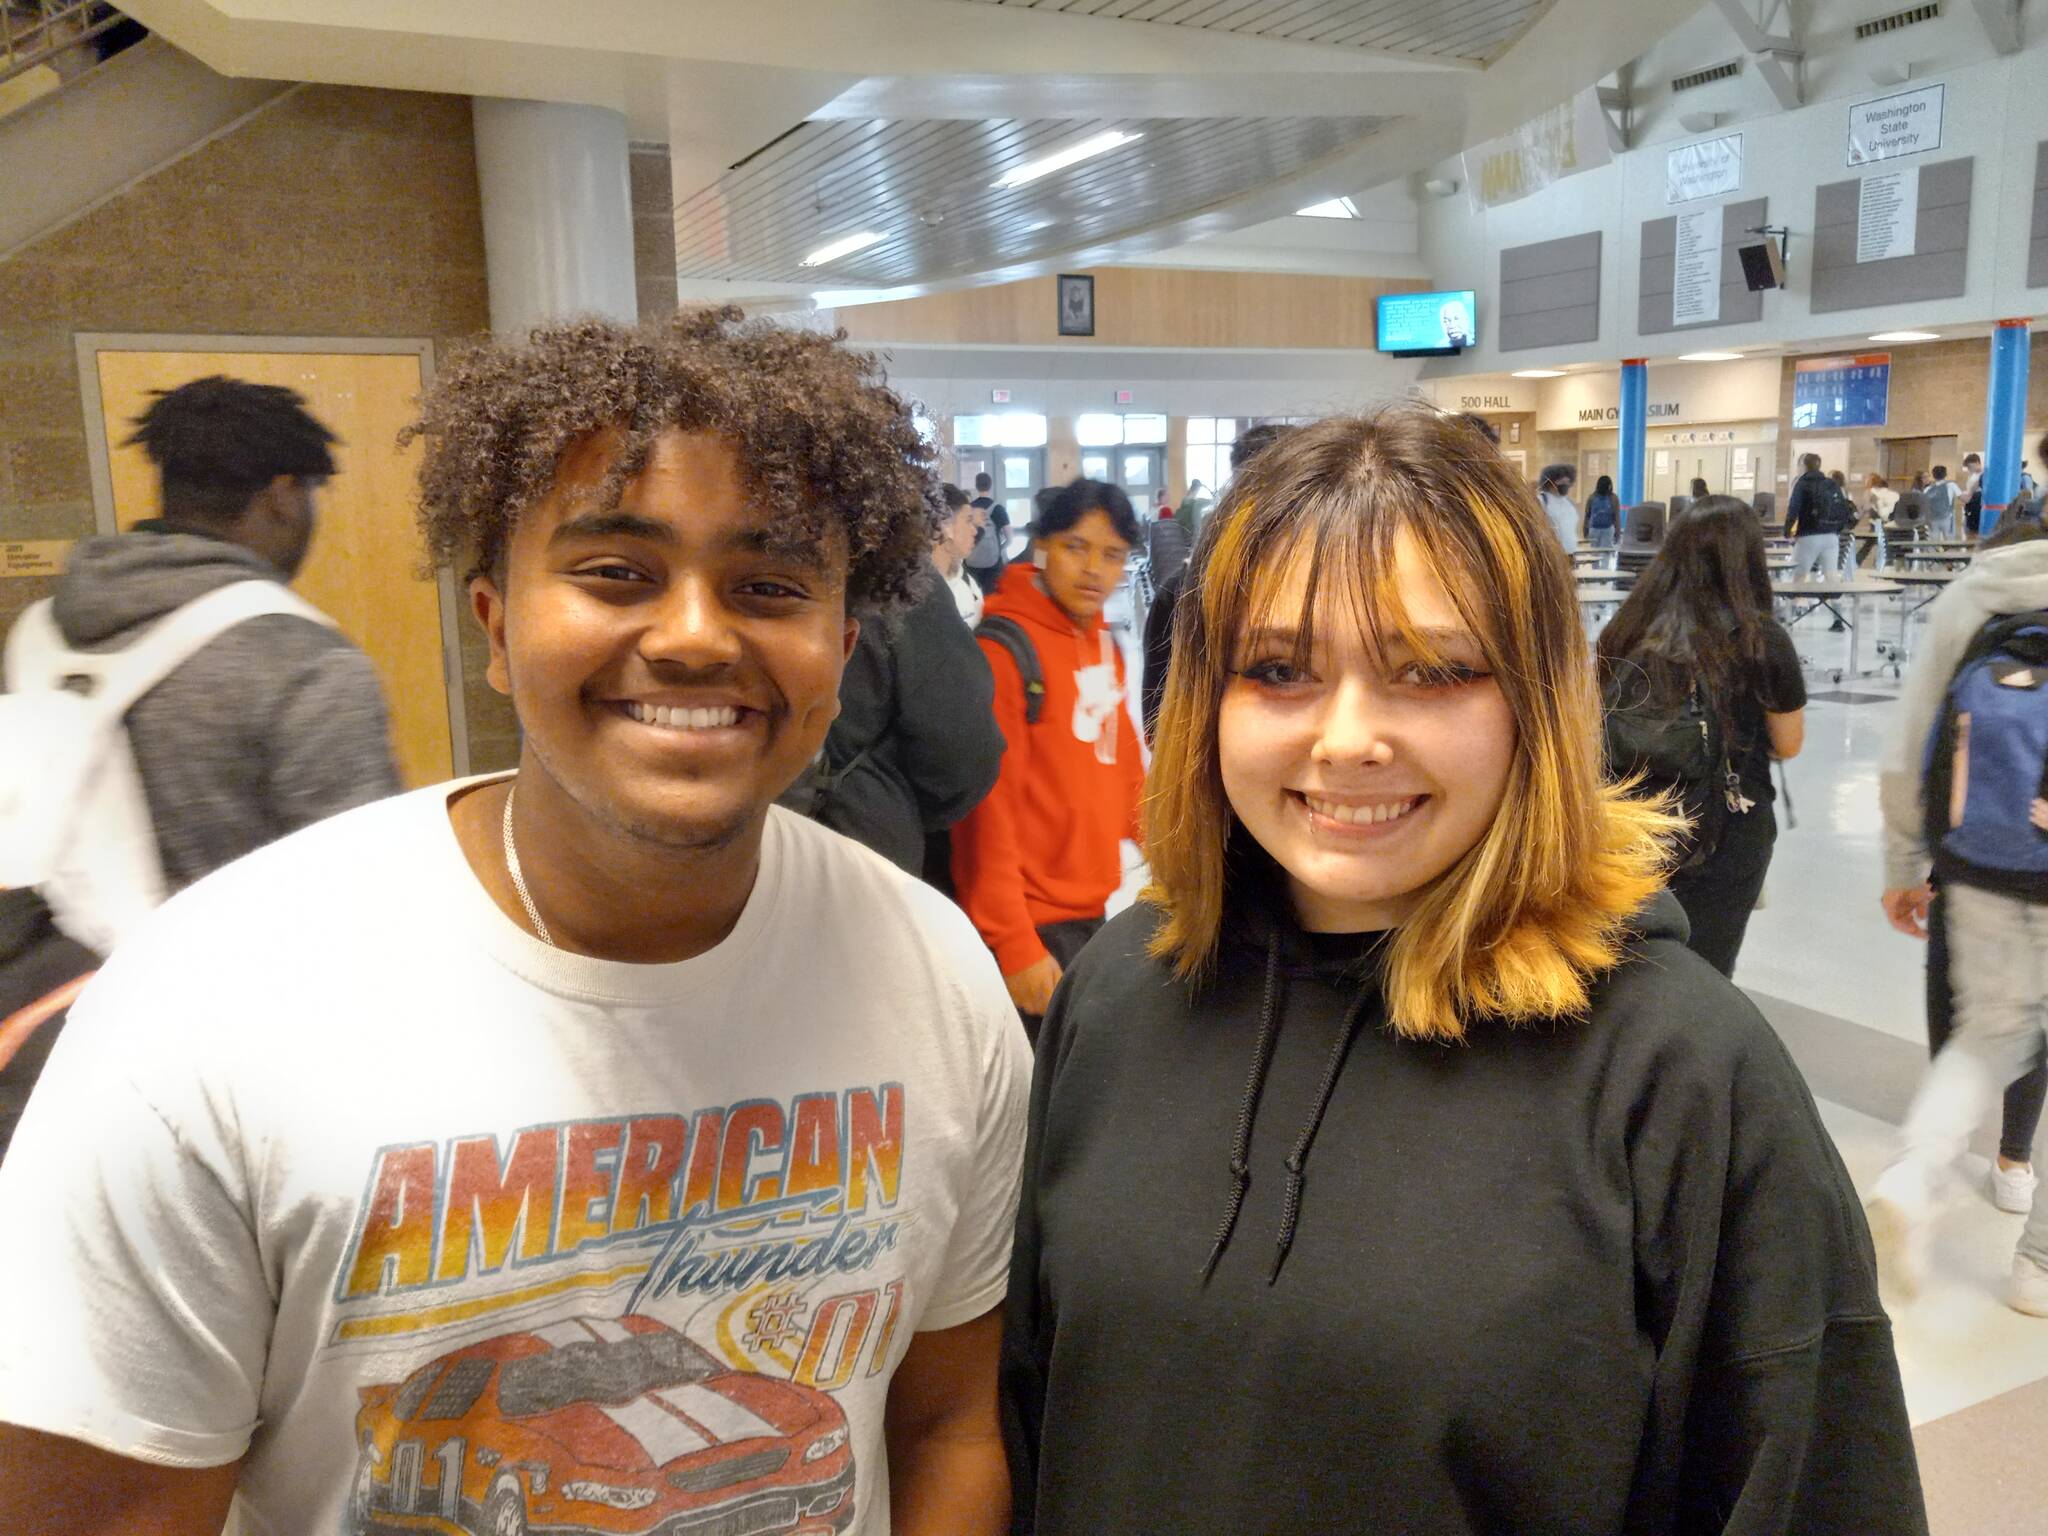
(1700, 77)
(1892, 23)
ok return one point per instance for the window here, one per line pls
(1016, 473)
(1094, 466)
(1209, 440)
(1150, 430)
(1097, 429)
(1137, 469)
(1011, 429)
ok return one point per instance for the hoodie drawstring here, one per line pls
(1298, 1158)
(1254, 1088)
(1241, 1145)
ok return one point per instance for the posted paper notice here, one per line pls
(1887, 211)
(1696, 268)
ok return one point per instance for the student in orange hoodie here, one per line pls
(1037, 861)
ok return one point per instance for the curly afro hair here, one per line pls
(820, 436)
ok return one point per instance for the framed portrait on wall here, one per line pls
(1077, 304)
(1514, 431)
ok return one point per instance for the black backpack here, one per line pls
(1012, 637)
(1682, 750)
(1836, 514)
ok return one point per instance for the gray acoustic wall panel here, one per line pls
(1660, 251)
(1938, 267)
(2037, 235)
(1550, 293)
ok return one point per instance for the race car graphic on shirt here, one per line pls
(598, 1427)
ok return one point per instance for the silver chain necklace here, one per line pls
(518, 879)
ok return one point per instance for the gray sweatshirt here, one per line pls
(276, 724)
(2009, 580)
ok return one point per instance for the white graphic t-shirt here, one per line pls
(448, 1230)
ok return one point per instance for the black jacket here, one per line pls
(1810, 493)
(915, 747)
(1159, 646)
(1605, 1277)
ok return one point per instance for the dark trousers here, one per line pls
(2024, 1096)
(1719, 895)
(1064, 941)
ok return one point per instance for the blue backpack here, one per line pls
(1987, 763)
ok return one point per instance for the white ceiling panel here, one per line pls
(1478, 30)
(928, 187)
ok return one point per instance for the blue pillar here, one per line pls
(2005, 419)
(1635, 428)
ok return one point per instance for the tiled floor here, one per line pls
(1847, 993)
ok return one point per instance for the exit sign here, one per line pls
(999, 396)
(1123, 397)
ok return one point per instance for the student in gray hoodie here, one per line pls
(279, 722)
(1998, 941)
(276, 724)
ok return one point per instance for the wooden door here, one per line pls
(364, 566)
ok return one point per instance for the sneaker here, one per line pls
(2012, 1190)
(2029, 1293)
(1899, 1216)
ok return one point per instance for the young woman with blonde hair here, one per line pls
(1393, 1166)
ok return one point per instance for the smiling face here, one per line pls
(1364, 776)
(1083, 564)
(672, 668)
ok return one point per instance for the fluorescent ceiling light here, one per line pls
(1335, 208)
(1073, 154)
(1709, 357)
(1906, 336)
(1537, 373)
(845, 245)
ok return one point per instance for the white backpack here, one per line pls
(74, 822)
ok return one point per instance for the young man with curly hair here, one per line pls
(589, 1147)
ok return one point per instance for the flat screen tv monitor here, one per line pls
(1428, 324)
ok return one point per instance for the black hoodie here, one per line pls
(1600, 1276)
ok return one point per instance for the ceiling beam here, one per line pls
(2001, 22)
(1779, 57)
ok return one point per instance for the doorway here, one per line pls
(1673, 470)
(1140, 472)
(364, 567)
(1900, 458)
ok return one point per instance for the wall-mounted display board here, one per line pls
(1550, 293)
(1841, 391)
(2037, 232)
(1939, 225)
(1659, 300)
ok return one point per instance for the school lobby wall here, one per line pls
(334, 211)
(1995, 114)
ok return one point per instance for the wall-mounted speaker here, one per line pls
(1763, 264)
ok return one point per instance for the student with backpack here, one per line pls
(222, 711)
(1703, 690)
(1037, 861)
(1964, 789)
(1944, 503)
(1603, 514)
(986, 560)
(1814, 544)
